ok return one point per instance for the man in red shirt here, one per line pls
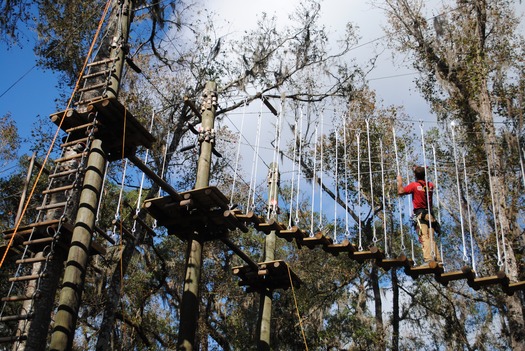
(422, 191)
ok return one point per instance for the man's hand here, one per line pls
(400, 190)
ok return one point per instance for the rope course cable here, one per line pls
(360, 229)
(345, 160)
(293, 174)
(299, 135)
(336, 187)
(253, 175)
(387, 253)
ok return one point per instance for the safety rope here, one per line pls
(321, 170)
(370, 168)
(436, 180)
(299, 135)
(494, 213)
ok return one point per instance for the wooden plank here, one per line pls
(374, 253)
(399, 261)
(318, 239)
(431, 268)
(336, 249)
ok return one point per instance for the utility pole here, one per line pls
(265, 308)
(77, 260)
(189, 311)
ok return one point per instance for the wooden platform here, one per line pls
(270, 275)
(111, 118)
(202, 210)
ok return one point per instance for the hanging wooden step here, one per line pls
(293, 233)
(102, 62)
(269, 226)
(511, 288)
(231, 218)
(465, 273)
(431, 268)
(249, 217)
(373, 253)
(64, 173)
(399, 261)
(104, 72)
(318, 239)
(82, 127)
(74, 142)
(270, 275)
(336, 249)
(499, 278)
(71, 157)
(32, 260)
(92, 87)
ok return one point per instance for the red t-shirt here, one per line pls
(419, 195)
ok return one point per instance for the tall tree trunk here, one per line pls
(395, 310)
(374, 280)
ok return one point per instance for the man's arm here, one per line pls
(400, 189)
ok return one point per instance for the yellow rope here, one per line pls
(297, 309)
(10, 243)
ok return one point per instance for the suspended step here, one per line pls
(431, 268)
(200, 210)
(499, 278)
(465, 273)
(104, 72)
(74, 142)
(233, 221)
(25, 278)
(511, 288)
(249, 217)
(16, 298)
(92, 87)
(32, 260)
(58, 189)
(102, 62)
(73, 156)
(373, 253)
(52, 206)
(336, 249)
(269, 275)
(318, 239)
(293, 233)
(399, 261)
(64, 173)
(271, 226)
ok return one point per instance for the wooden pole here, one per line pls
(76, 265)
(189, 311)
(265, 310)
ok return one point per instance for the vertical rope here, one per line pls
(438, 206)
(253, 175)
(465, 258)
(313, 186)
(370, 166)
(429, 204)
(472, 254)
(520, 151)
(321, 139)
(237, 156)
(387, 253)
(345, 160)
(400, 209)
(336, 175)
(293, 173)
(300, 166)
(360, 247)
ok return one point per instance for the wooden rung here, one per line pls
(52, 206)
(16, 318)
(10, 339)
(80, 127)
(373, 253)
(38, 241)
(65, 173)
(336, 249)
(71, 157)
(16, 298)
(56, 190)
(92, 87)
(25, 278)
(291, 234)
(74, 142)
(31, 260)
(234, 222)
(249, 217)
(35, 224)
(97, 74)
(102, 62)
